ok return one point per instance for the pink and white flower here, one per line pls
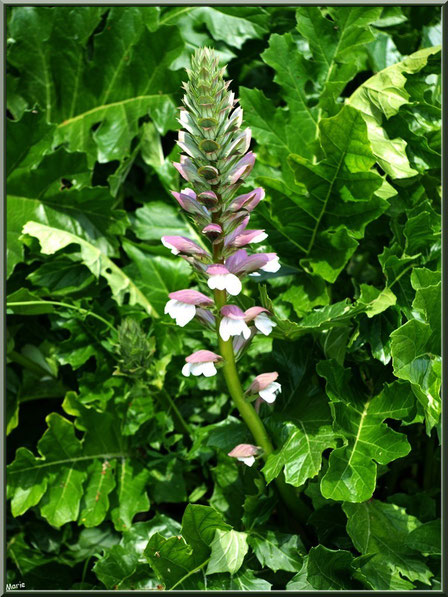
(201, 362)
(248, 201)
(187, 199)
(183, 303)
(245, 453)
(187, 169)
(241, 237)
(273, 264)
(181, 244)
(261, 319)
(249, 237)
(266, 386)
(241, 263)
(220, 278)
(242, 168)
(232, 323)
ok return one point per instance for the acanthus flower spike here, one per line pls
(216, 162)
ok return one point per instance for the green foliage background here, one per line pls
(108, 487)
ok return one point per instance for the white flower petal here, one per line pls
(246, 331)
(264, 324)
(233, 327)
(269, 394)
(232, 284)
(186, 369)
(249, 460)
(259, 238)
(272, 266)
(208, 369)
(196, 368)
(169, 306)
(181, 312)
(224, 331)
(217, 281)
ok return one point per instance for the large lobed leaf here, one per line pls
(382, 96)
(316, 223)
(383, 531)
(79, 480)
(352, 469)
(96, 101)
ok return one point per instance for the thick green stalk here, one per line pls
(253, 421)
(246, 409)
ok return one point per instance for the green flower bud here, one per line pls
(134, 348)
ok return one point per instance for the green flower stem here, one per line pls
(246, 409)
(253, 421)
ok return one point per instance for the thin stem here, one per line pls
(401, 274)
(168, 403)
(181, 580)
(252, 420)
(67, 305)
